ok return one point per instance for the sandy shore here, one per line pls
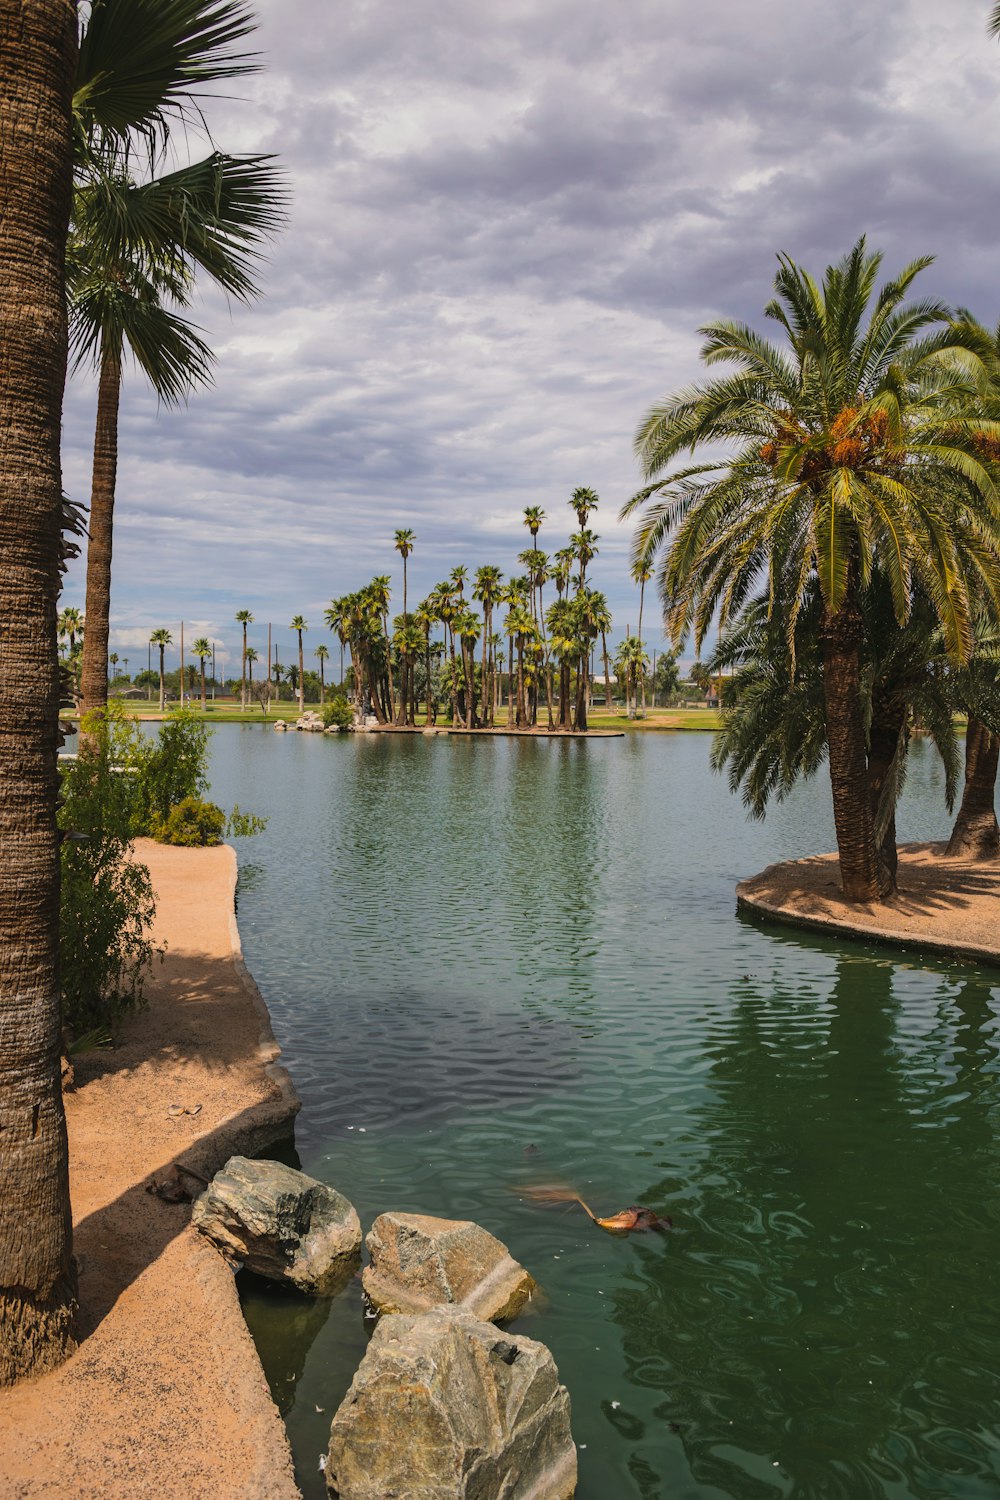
(165, 1395)
(942, 905)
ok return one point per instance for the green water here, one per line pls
(494, 963)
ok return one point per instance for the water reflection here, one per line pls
(824, 1324)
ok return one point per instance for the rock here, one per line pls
(310, 721)
(444, 1407)
(280, 726)
(281, 1224)
(418, 1262)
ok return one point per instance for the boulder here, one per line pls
(281, 1224)
(310, 721)
(280, 726)
(418, 1262)
(444, 1407)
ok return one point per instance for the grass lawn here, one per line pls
(228, 711)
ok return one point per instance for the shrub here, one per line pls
(191, 822)
(170, 769)
(338, 712)
(106, 904)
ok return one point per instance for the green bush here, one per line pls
(338, 712)
(106, 904)
(170, 769)
(192, 823)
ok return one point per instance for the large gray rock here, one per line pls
(445, 1407)
(418, 1262)
(281, 1224)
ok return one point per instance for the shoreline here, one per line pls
(943, 906)
(166, 1391)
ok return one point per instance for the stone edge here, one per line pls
(754, 906)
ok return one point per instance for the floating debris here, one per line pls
(627, 1220)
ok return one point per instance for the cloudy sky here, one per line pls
(508, 223)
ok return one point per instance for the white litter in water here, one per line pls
(321, 1408)
(615, 1405)
(322, 1463)
(361, 1130)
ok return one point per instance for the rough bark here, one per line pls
(888, 720)
(976, 834)
(37, 1277)
(859, 865)
(94, 674)
(607, 673)
(582, 685)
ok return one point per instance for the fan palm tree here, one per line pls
(403, 544)
(582, 502)
(642, 572)
(424, 618)
(136, 246)
(843, 454)
(322, 654)
(70, 625)
(244, 618)
(299, 625)
(113, 662)
(630, 667)
(37, 1275)
(202, 649)
(162, 639)
(250, 656)
(601, 616)
(487, 590)
(468, 627)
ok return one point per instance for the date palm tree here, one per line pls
(322, 655)
(244, 618)
(202, 649)
(845, 452)
(135, 246)
(299, 625)
(162, 639)
(37, 1276)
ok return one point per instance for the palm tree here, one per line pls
(534, 515)
(322, 656)
(299, 625)
(403, 544)
(244, 618)
(630, 666)
(584, 545)
(70, 625)
(468, 626)
(250, 656)
(487, 590)
(202, 649)
(135, 246)
(37, 1275)
(641, 574)
(582, 502)
(424, 617)
(844, 453)
(161, 638)
(113, 662)
(601, 615)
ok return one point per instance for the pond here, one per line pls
(495, 963)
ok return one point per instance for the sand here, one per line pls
(942, 905)
(165, 1395)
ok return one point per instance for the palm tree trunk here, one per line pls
(37, 1280)
(510, 684)
(976, 834)
(581, 696)
(860, 874)
(521, 706)
(642, 595)
(322, 683)
(302, 677)
(607, 673)
(94, 676)
(203, 707)
(162, 696)
(884, 745)
(243, 676)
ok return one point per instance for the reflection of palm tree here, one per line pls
(841, 1245)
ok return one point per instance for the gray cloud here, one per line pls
(508, 224)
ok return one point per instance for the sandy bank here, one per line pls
(165, 1395)
(943, 905)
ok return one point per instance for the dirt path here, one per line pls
(165, 1395)
(942, 905)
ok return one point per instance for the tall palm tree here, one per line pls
(533, 515)
(322, 654)
(202, 649)
(582, 502)
(487, 590)
(843, 453)
(136, 245)
(403, 543)
(162, 639)
(642, 572)
(113, 662)
(630, 666)
(424, 617)
(601, 615)
(299, 625)
(244, 618)
(37, 1276)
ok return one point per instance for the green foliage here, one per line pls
(170, 770)
(192, 823)
(241, 825)
(106, 902)
(338, 712)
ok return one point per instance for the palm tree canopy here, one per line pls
(244, 617)
(201, 648)
(403, 542)
(161, 637)
(144, 63)
(846, 443)
(298, 623)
